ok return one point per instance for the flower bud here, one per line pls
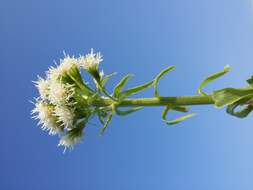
(90, 62)
(72, 138)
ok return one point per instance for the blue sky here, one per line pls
(210, 151)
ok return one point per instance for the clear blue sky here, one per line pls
(210, 151)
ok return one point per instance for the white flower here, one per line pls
(91, 60)
(59, 93)
(71, 139)
(43, 87)
(44, 113)
(65, 116)
(65, 65)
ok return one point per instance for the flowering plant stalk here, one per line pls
(66, 102)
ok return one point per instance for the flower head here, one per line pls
(60, 93)
(43, 87)
(90, 61)
(63, 68)
(65, 116)
(44, 113)
(72, 138)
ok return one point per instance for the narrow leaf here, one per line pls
(121, 85)
(135, 90)
(109, 118)
(165, 111)
(159, 76)
(101, 119)
(180, 108)
(179, 119)
(126, 112)
(229, 96)
(176, 108)
(106, 78)
(211, 78)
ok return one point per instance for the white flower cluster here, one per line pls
(90, 61)
(55, 94)
(55, 106)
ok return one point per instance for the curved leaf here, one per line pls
(106, 78)
(211, 78)
(159, 76)
(121, 85)
(179, 119)
(245, 107)
(126, 112)
(244, 112)
(134, 90)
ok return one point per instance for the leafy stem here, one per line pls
(67, 102)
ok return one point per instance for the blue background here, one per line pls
(210, 151)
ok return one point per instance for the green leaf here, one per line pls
(121, 85)
(179, 119)
(101, 119)
(229, 96)
(176, 108)
(165, 112)
(126, 112)
(159, 76)
(241, 113)
(210, 79)
(245, 107)
(109, 118)
(135, 90)
(106, 78)
(102, 114)
(180, 108)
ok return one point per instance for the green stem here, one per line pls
(161, 101)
